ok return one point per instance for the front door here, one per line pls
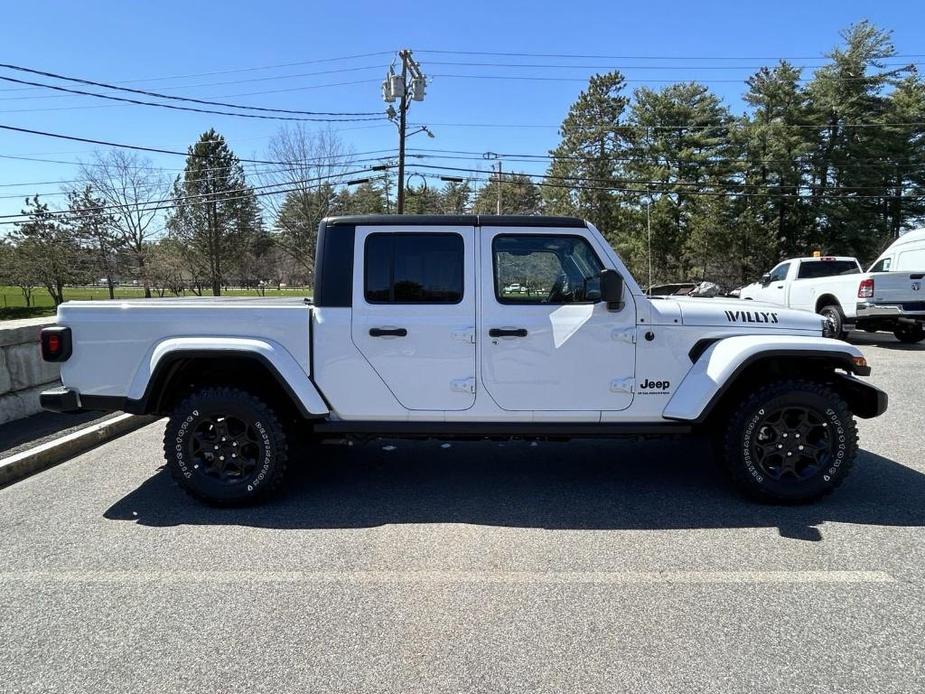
(414, 313)
(547, 340)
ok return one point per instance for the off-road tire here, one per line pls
(831, 444)
(910, 335)
(833, 314)
(250, 427)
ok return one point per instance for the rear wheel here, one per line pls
(789, 442)
(226, 447)
(910, 334)
(835, 321)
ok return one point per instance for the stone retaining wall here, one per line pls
(23, 374)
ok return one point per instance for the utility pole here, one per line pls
(398, 87)
(492, 155)
(402, 125)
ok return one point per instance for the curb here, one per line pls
(29, 462)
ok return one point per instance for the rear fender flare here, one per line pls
(289, 373)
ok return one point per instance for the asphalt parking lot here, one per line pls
(580, 567)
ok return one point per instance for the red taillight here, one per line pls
(866, 288)
(56, 344)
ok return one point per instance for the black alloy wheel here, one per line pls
(226, 446)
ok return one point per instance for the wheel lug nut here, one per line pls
(797, 435)
(800, 447)
(235, 444)
(785, 436)
(780, 445)
(215, 447)
(789, 453)
(221, 457)
(234, 455)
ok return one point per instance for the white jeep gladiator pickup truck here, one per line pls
(826, 285)
(466, 327)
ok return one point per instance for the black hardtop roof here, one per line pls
(454, 220)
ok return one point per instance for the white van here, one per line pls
(892, 295)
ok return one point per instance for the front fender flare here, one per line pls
(716, 369)
(289, 373)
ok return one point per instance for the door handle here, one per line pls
(507, 332)
(387, 332)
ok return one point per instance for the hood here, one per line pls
(739, 313)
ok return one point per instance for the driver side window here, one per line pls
(779, 274)
(545, 269)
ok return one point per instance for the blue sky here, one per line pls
(155, 44)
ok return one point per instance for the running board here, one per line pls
(502, 429)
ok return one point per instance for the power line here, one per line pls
(159, 95)
(732, 125)
(646, 192)
(548, 158)
(642, 67)
(171, 203)
(320, 160)
(253, 172)
(638, 57)
(182, 108)
(534, 78)
(240, 70)
(195, 86)
(140, 148)
(666, 186)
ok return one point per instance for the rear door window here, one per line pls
(812, 269)
(413, 268)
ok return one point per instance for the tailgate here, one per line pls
(898, 288)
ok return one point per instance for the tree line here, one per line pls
(833, 162)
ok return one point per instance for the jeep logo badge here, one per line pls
(649, 384)
(916, 286)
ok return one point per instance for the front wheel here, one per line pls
(226, 447)
(910, 334)
(790, 442)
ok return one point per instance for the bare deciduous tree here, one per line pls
(313, 159)
(130, 187)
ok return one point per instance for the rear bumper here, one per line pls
(897, 312)
(60, 400)
(70, 401)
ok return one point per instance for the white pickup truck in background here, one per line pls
(891, 296)
(826, 285)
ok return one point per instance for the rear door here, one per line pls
(414, 312)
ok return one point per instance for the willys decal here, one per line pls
(751, 317)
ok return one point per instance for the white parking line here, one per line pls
(566, 577)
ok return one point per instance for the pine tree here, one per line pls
(584, 173)
(216, 213)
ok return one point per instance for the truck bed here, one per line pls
(115, 340)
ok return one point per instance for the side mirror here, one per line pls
(766, 279)
(612, 289)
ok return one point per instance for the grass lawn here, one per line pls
(12, 304)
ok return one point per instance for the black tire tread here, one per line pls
(910, 336)
(271, 486)
(737, 473)
(840, 333)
